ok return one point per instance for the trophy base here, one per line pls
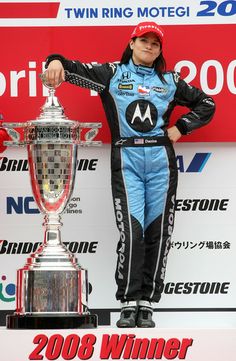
(83, 321)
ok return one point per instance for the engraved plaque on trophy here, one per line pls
(52, 288)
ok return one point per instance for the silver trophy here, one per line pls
(52, 288)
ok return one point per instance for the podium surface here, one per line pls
(109, 343)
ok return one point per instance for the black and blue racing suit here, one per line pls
(138, 106)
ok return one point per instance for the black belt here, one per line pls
(141, 141)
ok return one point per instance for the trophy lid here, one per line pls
(52, 126)
(52, 111)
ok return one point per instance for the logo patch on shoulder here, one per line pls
(143, 90)
(160, 90)
(125, 86)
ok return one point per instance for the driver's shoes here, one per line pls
(127, 315)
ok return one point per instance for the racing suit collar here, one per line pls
(140, 69)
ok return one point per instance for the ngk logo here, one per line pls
(21, 205)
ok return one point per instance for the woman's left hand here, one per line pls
(174, 134)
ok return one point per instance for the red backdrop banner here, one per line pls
(204, 54)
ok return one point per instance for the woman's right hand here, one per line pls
(54, 74)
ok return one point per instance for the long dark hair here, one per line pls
(159, 64)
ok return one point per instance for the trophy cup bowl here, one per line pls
(52, 288)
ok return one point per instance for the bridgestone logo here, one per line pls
(201, 204)
(202, 288)
(30, 247)
(21, 165)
